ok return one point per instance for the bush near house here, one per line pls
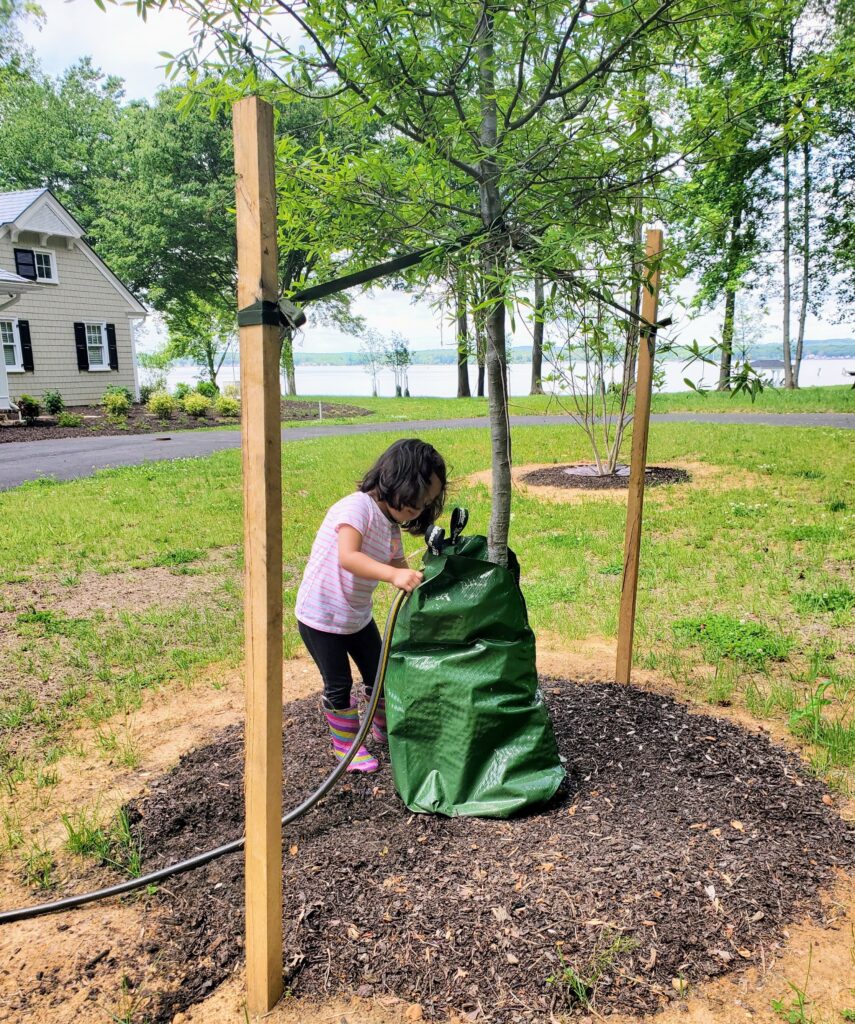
(28, 407)
(226, 406)
(196, 405)
(182, 390)
(116, 403)
(53, 402)
(208, 389)
(162, 405)
(69, 419)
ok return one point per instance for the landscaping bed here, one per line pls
(677, 851)
(141, 421)
(583, 475)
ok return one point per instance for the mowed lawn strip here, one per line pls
(766, 545)
(834, 399)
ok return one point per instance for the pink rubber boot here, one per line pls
(344, 725)
(378, 724)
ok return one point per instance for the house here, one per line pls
(66, 321)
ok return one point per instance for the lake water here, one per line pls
(441, 381)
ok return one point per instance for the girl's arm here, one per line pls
(352, 558)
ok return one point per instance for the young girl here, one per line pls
(358, 546)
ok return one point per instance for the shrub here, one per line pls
(225, 406)
(28, 407)
(231, 391)
(182, 390)
(69, 419)
(156, 383)
(119, 389)
(207, 388)
(161, 404)
(197, 405)
(53, 402)
(116, 403)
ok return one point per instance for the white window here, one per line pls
(96, 347)
(11, 346)
(45, 266)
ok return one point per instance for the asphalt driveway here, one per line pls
(71, 457)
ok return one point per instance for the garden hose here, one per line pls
(70, 902)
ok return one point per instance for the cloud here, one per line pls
(119, 42)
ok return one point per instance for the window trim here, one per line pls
(16, 340)
(51, 254)
(102, 325)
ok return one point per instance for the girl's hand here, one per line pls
(406, 579)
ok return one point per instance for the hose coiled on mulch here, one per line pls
(70, 902)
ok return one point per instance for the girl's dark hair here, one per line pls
(402, 476)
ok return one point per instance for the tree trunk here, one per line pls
(462, 338)
(788, 366)
(800, 340)
(725, 368)
(480, 349)
(537, 338)
(495, 267)
(287, 362)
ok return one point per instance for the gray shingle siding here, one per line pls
(82, 294)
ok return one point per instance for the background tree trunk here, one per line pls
(725, 368)
(462, 338)
(800, 340)
(286, 361)
(537, 338)
(788, 366)
(726, 364)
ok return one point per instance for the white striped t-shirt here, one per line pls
(330, 598)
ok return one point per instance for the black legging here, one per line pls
(329, 652)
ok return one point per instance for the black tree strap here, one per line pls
(394, 266)
(274, 314)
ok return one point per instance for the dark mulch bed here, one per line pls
(139, 421)
(679, 848)
(579, 476)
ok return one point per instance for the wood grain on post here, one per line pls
(638, 463)
(262, 494)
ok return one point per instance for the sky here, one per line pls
(120, 43)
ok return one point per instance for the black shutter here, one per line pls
(26, 345)
(111, 347)
(25, 263)
(80, 343)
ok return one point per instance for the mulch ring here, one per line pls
(583, 476)
(677, 851)
(140, 421)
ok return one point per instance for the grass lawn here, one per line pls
(745, 591)
(826, 399)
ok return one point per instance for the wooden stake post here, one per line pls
(262, 492)
(640, 429)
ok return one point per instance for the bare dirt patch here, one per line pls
(70, 967)
(701, 475)
(132, 590)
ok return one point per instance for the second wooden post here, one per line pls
(258, 283)
(638, 462)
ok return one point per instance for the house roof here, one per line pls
(38, 210)
(13, 284)
(13, 204)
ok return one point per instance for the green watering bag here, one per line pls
(469, 733)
